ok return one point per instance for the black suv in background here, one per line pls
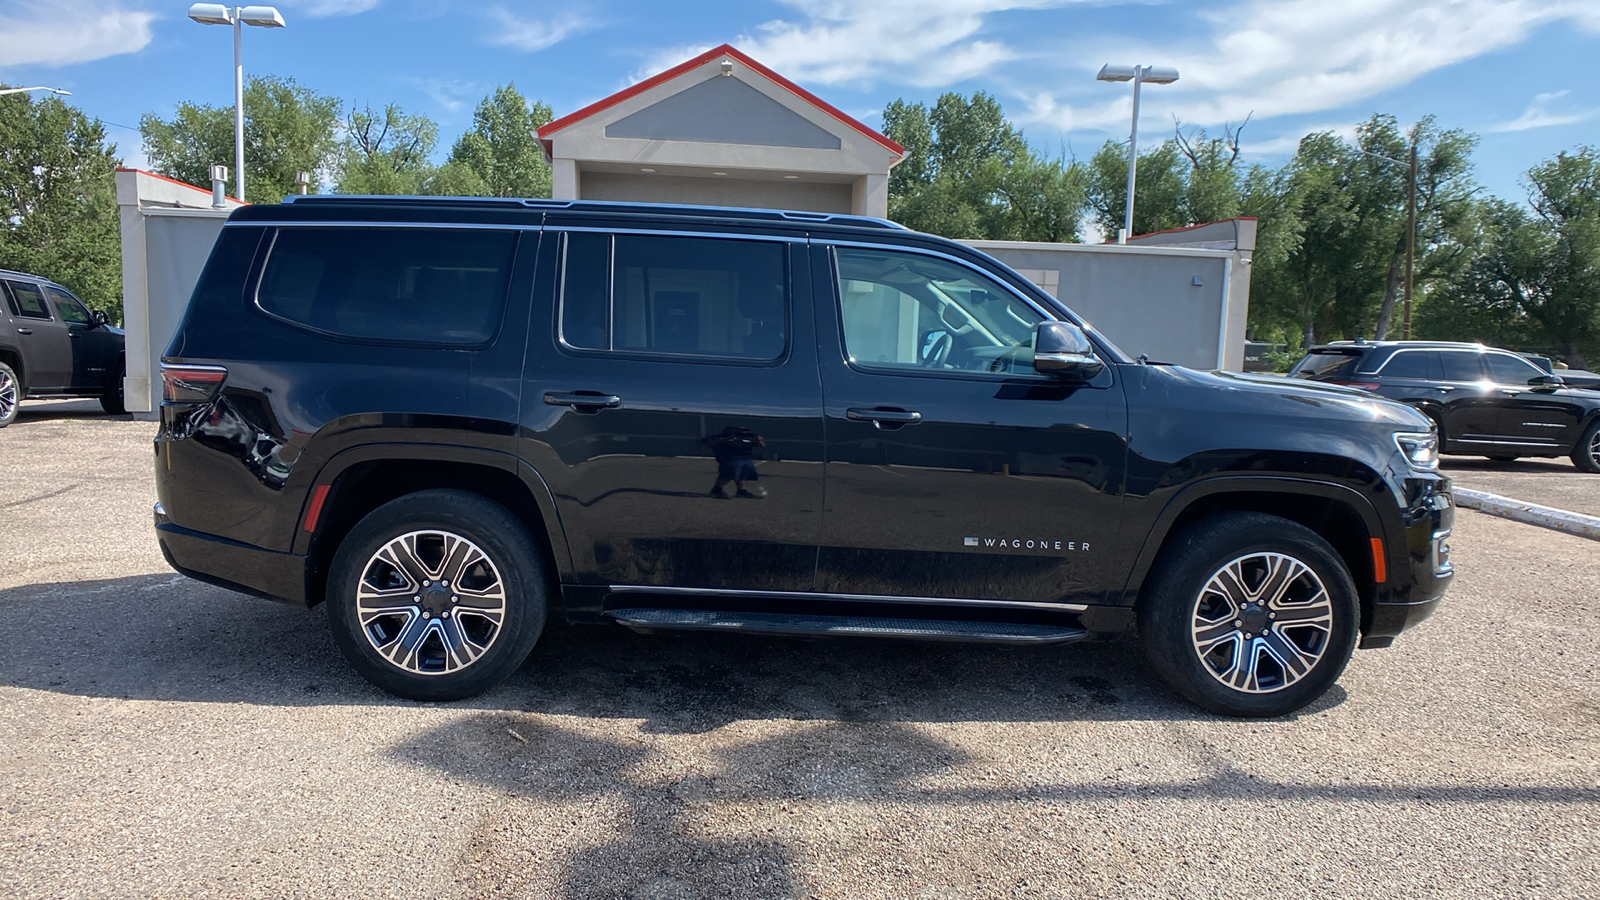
(449, 419)
(51, 345)
(1485, 401)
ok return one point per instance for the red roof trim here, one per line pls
(550, 128)
(174, 181)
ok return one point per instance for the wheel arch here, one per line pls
(362, 478)
(12, 357)
(1339, 514)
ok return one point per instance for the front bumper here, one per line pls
(250, 569)
(1429, 519)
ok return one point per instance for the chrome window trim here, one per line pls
(1392, 356)
(843, 598)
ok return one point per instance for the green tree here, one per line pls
(288, 129)
(58, 199)
(968, 173)
(386, 152)
(500, 156)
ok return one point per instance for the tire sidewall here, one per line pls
(16, 383)
(1581, 457)
(1166, 612)
(498, 533)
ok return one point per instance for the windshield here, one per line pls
(1326, 365)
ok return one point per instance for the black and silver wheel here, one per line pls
(438, 595)
(1586, 453)
(1249, 615)
(10, 395)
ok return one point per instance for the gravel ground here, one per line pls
(1547, 482)
(163, 738)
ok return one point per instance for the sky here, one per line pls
(1518, 73)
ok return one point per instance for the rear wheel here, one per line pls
(111, 397)
(1586, 454)
(10, 395)
(1248, 614)
(438, 595)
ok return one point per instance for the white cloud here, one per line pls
(1289, 141)
(532, 35)
(58, 34)
(450, 94)
(923, 43)
(1542, 114)
(318, 9)
(1281, 57)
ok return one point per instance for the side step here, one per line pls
(647, 620)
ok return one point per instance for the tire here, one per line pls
(1186, 590)
(11, 393)
(1502, 459)
(111, 399)
(1586, 453)
(437, 536)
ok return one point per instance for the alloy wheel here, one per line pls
(8, 395)
(1594, 443)
(1262, 622)
(430, 602)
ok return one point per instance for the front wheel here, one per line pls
(1586, 453)
(1248, 614)
(111, 399)
(438, 595)
(10, 395)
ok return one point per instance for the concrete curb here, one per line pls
(1529, 513)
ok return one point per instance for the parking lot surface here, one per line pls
(1547, 482)
(161, 737)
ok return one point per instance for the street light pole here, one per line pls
(1138, 75)
(35, 88)
(238, 17)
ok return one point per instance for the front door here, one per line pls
(955, 470)
(1531, 415)
(673, 406)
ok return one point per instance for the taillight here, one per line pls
(1364, 385)
(191, 384)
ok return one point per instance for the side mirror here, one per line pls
(1546, 382)
(1062, 349)
(100, 317)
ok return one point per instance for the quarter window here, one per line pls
(415, 285)
(1413, 364)
(674, 296)
(28, 301)
(908, 311)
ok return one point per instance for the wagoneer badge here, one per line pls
(1023, 544)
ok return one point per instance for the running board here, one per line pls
(648, 620)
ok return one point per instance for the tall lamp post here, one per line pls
(36, 88)
(1139, 75)
(237, 16)
(1411, 226)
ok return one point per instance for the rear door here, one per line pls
(1469, 403)
(43, 338)
(1530, 415)
(671, 402)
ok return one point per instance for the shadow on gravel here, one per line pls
(1525, 465)
(166, 637)
(46, 412)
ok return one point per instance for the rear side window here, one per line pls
(28, 301)
(674, 296)
(1413, 364)
(1460, 365)
(1326, 365)
(416, 285)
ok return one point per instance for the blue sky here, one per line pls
(1517, 72)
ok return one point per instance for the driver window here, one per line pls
(1510, 370)
(72, 312)
(908, 311)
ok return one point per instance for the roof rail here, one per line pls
(665, 209)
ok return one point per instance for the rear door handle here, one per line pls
(582, 401)
(882, 417)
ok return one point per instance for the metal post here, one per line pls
(1411, 242)
(219, 187)
(1133, 158)
(238, 104)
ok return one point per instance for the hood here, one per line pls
(1314, 399)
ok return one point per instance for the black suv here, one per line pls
(1484, 401)
(51, 345)
(452, 418)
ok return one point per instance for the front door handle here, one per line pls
(883, 417)
(582, 401)
(24, 331)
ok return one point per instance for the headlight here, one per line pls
(1421, 450)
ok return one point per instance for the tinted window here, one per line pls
(674, 296)
(431, 286)
(1413, 364)
(1327, 365)
(913, 311)
(1460, 365)
(72, 312)
(1506, 369)
(26, 300)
